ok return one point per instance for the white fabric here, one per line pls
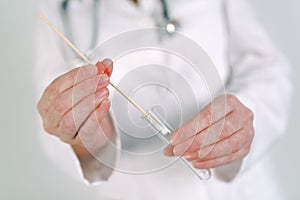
(249, 65)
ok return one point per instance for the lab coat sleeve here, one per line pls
(260, 78)
(50, 64)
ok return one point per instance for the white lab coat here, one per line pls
(249, 65)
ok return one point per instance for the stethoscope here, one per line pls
(168, 24)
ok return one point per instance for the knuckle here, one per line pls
(40, 107)
(226, 128)
(248, 115)
(48, 128)
(251, 114)
(246, 151)
(231, 100)
(59, 105)
(206, 117)
(251, 133)
(43, 105)
(52, 89)
(68, 125)
(73, 76)
(235, 146)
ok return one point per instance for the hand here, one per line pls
(219, 134)
(75, 104)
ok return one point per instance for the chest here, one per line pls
(145, 74)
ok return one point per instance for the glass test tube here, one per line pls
(162, 126)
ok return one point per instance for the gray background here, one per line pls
(26, 173)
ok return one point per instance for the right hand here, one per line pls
(74, 106)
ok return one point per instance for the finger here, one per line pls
(168, 150)
(213, 112)
(223, 160)
(63, 83)
(75, 118)
(225, 147)
(182, 148)
(74, 95)
(74, 77)
(105, 66)
(91, 133)
(221, 129)
(65, 101)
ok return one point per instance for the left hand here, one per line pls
(219, 134)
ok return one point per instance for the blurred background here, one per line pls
(26, 173)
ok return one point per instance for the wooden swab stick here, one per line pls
(89, 62)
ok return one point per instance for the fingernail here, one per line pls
(168, 150)
(188, 157)
(100, 67)
(166, 153)
(107, 62)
